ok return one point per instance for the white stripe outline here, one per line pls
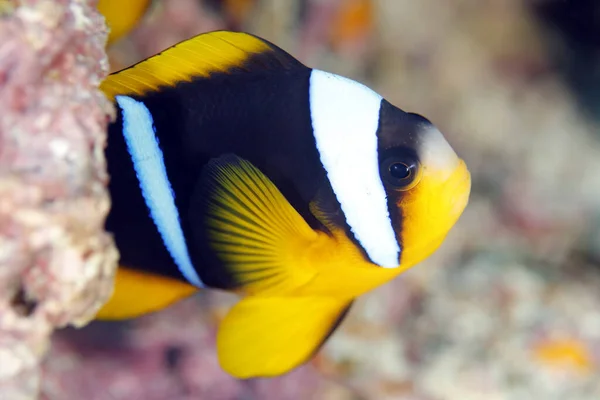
(345, 118)
(148, 161)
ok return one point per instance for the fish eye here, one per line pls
(401, 171)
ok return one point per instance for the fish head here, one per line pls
(395, 187)
(427, 185)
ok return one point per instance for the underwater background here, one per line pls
(509, 307)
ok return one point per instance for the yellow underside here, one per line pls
(429, 211)
(137, 293)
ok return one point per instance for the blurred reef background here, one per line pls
(509, 307)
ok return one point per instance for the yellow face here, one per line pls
(430, 209)
(426, 186)
(435, 194)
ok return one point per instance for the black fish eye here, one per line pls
(401, 170)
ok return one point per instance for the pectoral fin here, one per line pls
(269, 336)
(255, 232)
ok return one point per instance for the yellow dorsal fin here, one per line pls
(269, 336)
(254, 231)
(198, 57)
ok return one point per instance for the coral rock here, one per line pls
(56, 261)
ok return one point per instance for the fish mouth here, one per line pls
(460, 187)
(452, 196)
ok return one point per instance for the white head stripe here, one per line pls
(345, 118)
(149, 165)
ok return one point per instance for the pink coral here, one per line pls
(56, 261)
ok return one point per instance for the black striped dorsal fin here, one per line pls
(199, 57)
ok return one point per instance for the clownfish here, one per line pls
(234, 166)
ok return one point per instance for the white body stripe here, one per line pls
(345, 118)
(138, 130)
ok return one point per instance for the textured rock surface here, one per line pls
(56, 262)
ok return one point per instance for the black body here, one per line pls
(261, 117)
